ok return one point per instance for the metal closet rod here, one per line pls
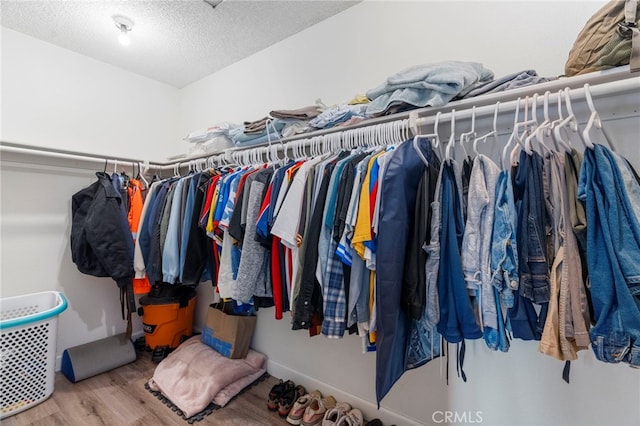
(603, 83)
(17, 148)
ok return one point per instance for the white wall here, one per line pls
(348, 54)
(56, 98)
(334, 60)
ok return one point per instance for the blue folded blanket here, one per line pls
(274, 129)
(428, 85)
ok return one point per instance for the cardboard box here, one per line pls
(230, 335)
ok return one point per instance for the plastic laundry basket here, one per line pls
(29, 326)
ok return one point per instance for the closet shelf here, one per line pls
(609, 84)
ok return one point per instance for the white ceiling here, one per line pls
(173, 41)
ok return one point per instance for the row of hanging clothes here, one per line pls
(537, 249)
(411, 245)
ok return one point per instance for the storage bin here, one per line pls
(28, 349)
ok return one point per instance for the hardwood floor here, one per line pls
(118, 397)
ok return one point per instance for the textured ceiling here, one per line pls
(176, 42)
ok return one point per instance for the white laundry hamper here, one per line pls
(28, 349)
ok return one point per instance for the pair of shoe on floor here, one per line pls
(283, 396)
(343, 415)
(312, 409)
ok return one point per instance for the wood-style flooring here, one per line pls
(118, 397)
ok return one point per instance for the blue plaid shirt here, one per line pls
(335, 298)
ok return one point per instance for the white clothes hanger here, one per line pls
(247, 157)
(405, 125)
(368, 136)
(530, 132)
(594, 120)
(380, 131)
(143, 169)
(559, 142)
(386, 132)
(547, 118)
(332, 142)
(362, 138)
(466, 136)
(313, 151)
(537, 131)
(493, 132)
(515, 134)
(271, 156)
(389, 132)
(326, 144)
(377, 134)
(350, 140)
(570, 121)
(434, 136)
(520, 137)
(399, 134)
(452, 137)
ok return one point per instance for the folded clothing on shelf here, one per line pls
(338, 114)
(304, 113)
(508, 82)
(272, 131)
(427, 85)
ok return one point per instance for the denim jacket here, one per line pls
(504, 246)
(476, 244)
(613, 250)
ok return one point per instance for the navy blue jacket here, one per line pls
(101, 242)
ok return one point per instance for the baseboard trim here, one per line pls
(368, 408)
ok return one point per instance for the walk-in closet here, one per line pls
(320, 212)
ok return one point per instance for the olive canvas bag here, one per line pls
(609, 39)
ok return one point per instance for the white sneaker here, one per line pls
(332, 416)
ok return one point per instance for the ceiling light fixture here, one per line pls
(125, 25)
